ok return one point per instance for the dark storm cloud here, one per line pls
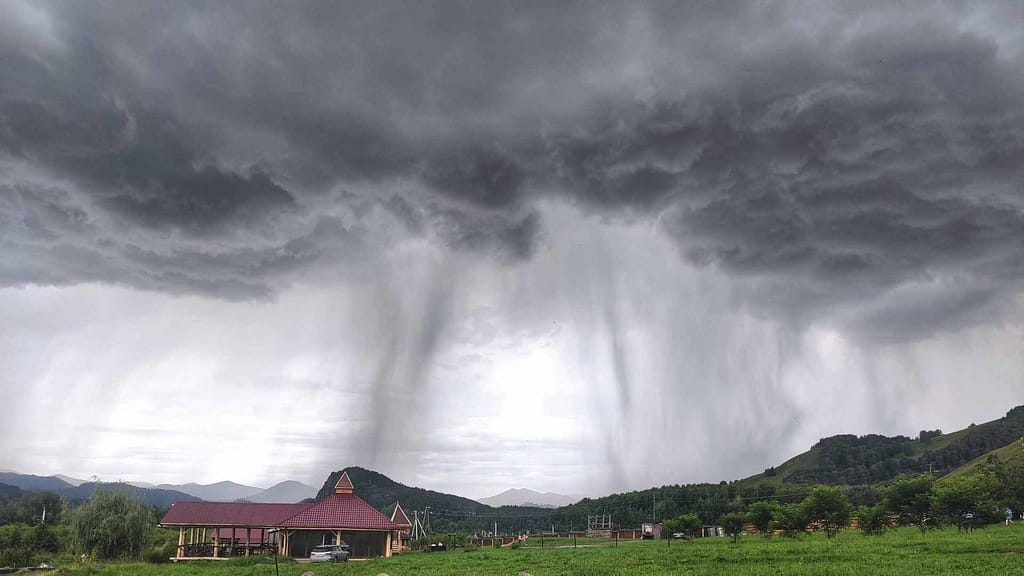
(828, 158)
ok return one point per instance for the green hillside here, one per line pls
(871, 459)
(443, 512)
(1011, 454)
(862, 462)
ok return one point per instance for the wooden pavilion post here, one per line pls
(181, 542)
(216, 542)
(387, 546)
(248, 537)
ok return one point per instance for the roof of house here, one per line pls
(341, 510)
(399, 517)
(338, 511)
(227, 514)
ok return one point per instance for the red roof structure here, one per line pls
(209, 529)
(227, 514)
(339, 511)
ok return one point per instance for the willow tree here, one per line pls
(111, 525)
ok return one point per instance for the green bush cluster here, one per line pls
(22, 545)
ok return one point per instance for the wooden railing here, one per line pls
(205, 550)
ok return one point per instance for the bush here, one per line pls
(13, 557)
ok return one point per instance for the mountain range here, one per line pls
(862, 462)
(527, 497)
(75, 489)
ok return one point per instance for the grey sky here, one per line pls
(578, 247)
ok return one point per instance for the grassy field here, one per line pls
(996, 550)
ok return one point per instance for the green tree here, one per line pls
(829, 507)
(873, 520)
(690, 524)
(792, 520)
(36, 504)
(910, 498)
(687, 524)
(762, 516)
(733, 523)
(111, 525)
(966, 501)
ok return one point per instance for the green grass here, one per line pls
(996, 550)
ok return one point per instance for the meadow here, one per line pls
(996, 550)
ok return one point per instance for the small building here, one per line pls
(403, 534)
(217, 530)
(711, 531)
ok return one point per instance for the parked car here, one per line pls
(330, 553)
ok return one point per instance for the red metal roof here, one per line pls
(227, 514)
(339, 511)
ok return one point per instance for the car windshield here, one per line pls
(322, 548)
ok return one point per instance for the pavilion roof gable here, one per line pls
(340, 511)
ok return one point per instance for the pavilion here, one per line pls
(219, 530)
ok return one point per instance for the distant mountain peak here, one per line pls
(527, 497)
(286, 492)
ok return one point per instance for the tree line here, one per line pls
(920, 501)
(37, 527)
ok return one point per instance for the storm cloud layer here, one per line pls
(854, 168)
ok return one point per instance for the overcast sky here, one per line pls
(575, 247)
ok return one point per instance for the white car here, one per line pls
(330, 553)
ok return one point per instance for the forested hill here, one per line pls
(859, 460)
(446, 511)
